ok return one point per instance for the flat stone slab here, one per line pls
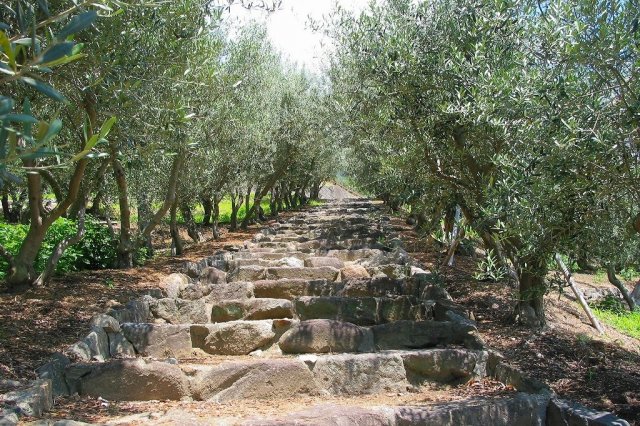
(359, 310)
(251, 309)
(331, 415)
(315, 261)
(420, 334)
(290, 288)
(267, 379)
(323, 336)
(233, 338)
(318, 273)
(180, 311)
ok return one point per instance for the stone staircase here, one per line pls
(324, 303)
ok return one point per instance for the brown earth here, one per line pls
(601, 372)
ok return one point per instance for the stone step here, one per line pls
(242, 337)
(347, 374)
(360, 310)
(256, 272)
(374, 287)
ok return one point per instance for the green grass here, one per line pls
(625, 322)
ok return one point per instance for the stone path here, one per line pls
(325, 303)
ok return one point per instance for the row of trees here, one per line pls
(523, 114)
(151, 108)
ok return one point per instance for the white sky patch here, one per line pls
(289, 28)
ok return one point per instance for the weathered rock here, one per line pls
(360, 311)
(247, 273)
(314, 262)
(321, 336)
(265, 379)
(292, 288)
(521, 409)
(567, 413)
(331, 415)
(398, 309)
(32, 400)
(445, 365)
(435, 292)
(134, 311)
(197, 291)
(180, 311)
(237, 290)
(120, 347)
(351, 374)
(319, 273)
(193, 269)
(135, 380)
(98, 343)
(352, 255)
(174, 284)
(419, 334)
(233, 338)
(363, 287)
(211, 275)
(54, 371)
(289, 262)
(107, 323)
(353, 272)
(79, 351)
(159, 340)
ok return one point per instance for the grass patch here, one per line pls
(625, 322)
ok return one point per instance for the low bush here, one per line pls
(97, 250)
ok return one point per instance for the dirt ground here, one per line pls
(601, 372)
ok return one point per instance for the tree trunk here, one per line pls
(6, 212)
(125, 245)
(236, 204)
(207, 205)
(175, 232)
(273, 203)
(144, 218)
(59, 250)
(613, 279)
(189, 221)
(530, 306)
(216, 215)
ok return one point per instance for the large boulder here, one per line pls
(107, 323)
(238, 290)
(281, 378)
(351, 374)
(445, 365)
(233, 338)
(159, 340)
(321, 336)
(135, 380)
(247, 273)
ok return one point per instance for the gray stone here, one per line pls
(520, 410)
(98, 343)
(108, 323)
(79, 351)
(321, 336)
(54, 371)
(352, 255)
(292, 288)
(134, 311)
(159, 340)
(32, 400)
(264, 379)
(320, 273)
(135, 380)
(419, 334)
(398, 309)
(247, 273)
(445, 365)
(435, 292)
(120, 347)
(174, 284)
(193, 269)
(233, 338)
(351, 374)
(567, 413)
(211, 275)
(380, 287)
(360, 311)
(180, 311)
(289, 262)
(333, 262)
(237, 290)
(251, 309)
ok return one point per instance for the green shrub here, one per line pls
(489, 269)
(97, 250)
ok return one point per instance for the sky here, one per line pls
(289, 31)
